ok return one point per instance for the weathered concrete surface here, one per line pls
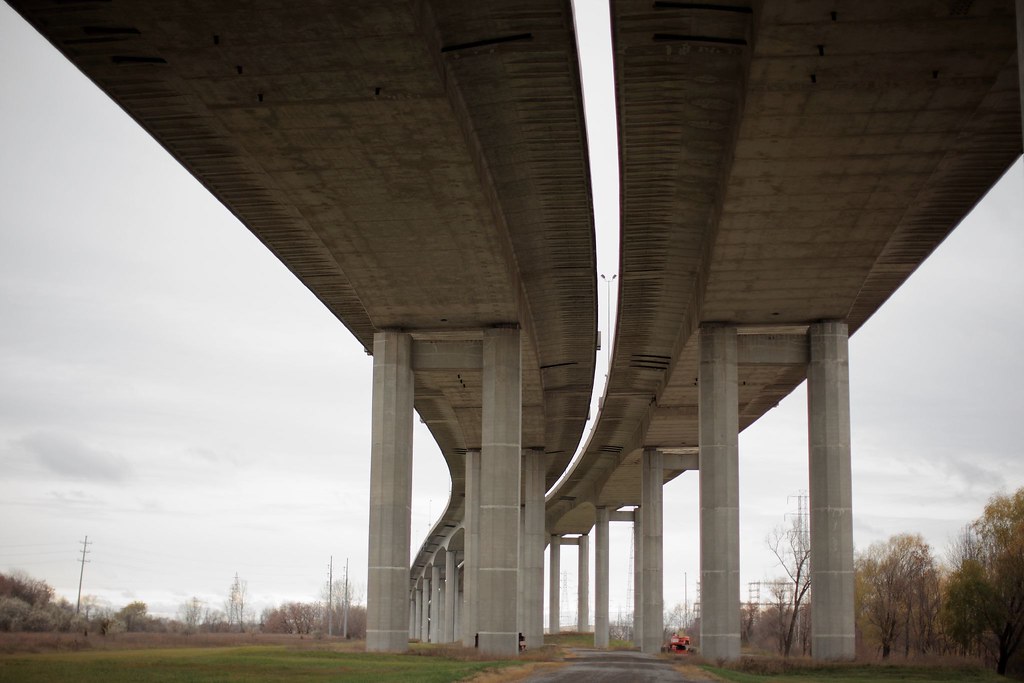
(719, 494)
(531, 573)
(651, 510)
(451, 594)
(601, 578)
(831, 493)
(583, 585)
(616, 666)
(470, 603)
(387, 617)
(500, 464)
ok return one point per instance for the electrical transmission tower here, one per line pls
(629, 577)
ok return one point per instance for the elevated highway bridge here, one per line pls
(422, 168)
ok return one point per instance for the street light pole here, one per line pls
(608, 329)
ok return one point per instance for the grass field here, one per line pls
(861, 673)
(236, 663)
(170, 658)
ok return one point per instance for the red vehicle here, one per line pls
(678, 643)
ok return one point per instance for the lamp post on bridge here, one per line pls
(608, 329)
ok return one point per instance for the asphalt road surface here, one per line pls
(612, 666)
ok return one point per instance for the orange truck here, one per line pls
(678, 643)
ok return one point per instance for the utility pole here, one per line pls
(81, 573)
(330, 597)
(344, 607)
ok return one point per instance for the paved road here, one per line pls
(615, 666)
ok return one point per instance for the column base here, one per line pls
(387, 641)
(833, 648)
(724, 647)
(503, 644)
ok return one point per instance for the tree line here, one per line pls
(908, 601)
(29, 604)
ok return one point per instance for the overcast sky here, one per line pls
(170, 390)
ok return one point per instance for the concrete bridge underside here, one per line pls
(422, 168)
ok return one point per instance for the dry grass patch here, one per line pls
(771, 669)
(28, 643)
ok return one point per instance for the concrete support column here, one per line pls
(417, 626)
(412, 615)
(601, 568)
(638, 578)
(442, 615)
(651, 480)
(390, 493)
(459, 601)
(425, 598)
(532, 542)
(470, 562)
(583, 585)
(500, 456)
(436, 602)
(554, 582)
(831, 497)
(451, 593)
(719, 494)
(520, 583)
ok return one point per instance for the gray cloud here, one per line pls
(68, 457)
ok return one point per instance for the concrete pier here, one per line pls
(554, 583)
(831, 497)
(638, 578)
(458, 608)
(601, 567)
(425, 624)
(532, 553)
(387, 604)
(500, 455)
(583, 585)
(719, 494)
(417, 615)
(436, 616)
(469, 602)
(651, 492)
(412, 616)
(451, 594)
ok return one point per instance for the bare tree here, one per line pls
(792, 548)
(749, 614)
(622, 627)
(190, 614)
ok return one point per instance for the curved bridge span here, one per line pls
(422, 168)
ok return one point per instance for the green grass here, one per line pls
(250, 663)
(861, 673)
